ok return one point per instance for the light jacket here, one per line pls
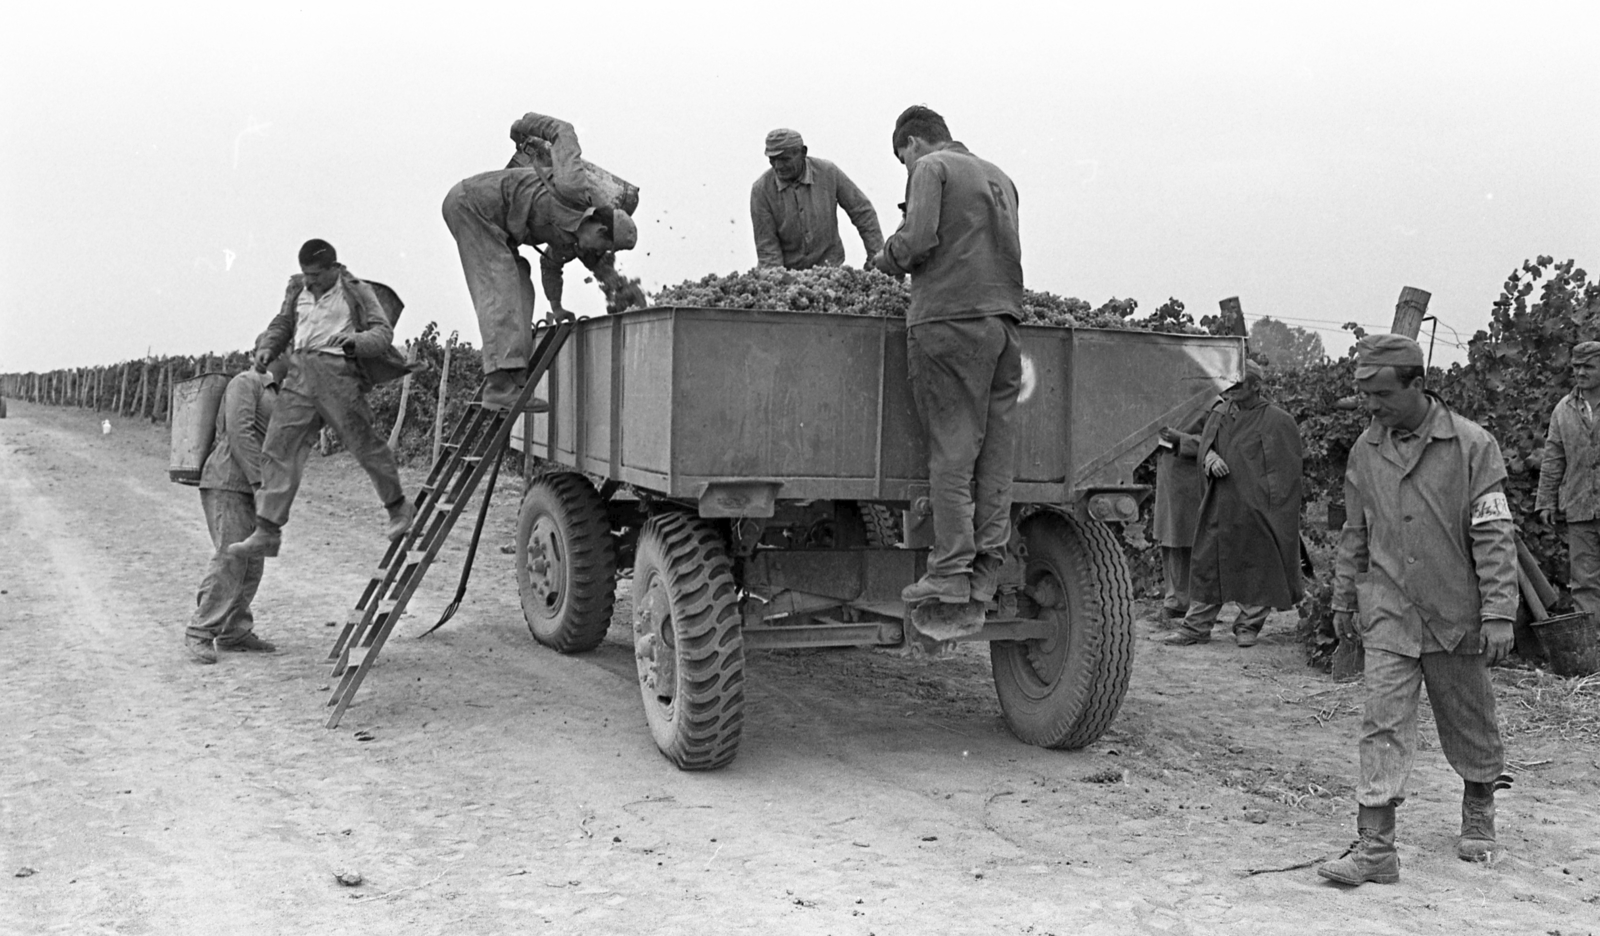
(371, 332)
(1429, 549)
(234, 463)
(1569, 476)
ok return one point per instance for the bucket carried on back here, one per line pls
(194, 424)
(612, 190)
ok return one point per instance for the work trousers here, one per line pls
(1583, 557)
(965, 377)
(499, 280)
(1203, 615)
(222, 606)
(1175, 570)
(1463, 709)
(321, 388)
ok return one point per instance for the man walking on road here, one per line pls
(342, 344)
(1569, 478)
(1428, 559)
(1247, 544)
(492, 213)
(232, 471)
(960, 243)
(794, 208)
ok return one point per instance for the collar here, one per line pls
(1438, 424)
(806, 178)
(1576, 401)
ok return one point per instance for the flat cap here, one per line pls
(1375, 352)
(1585, 351)
(782, 140)
(624, 233)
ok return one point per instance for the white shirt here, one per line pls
(320, 324)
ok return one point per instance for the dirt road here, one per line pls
(506, 788)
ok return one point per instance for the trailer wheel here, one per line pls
(688, 644)
(1064, 691)
(882, 522)
(566, 566)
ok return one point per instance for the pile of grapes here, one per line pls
(848, 291)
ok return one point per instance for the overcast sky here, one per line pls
(161, 163)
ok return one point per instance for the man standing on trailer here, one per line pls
(492, 213)
(340, 343)
(1428, 556)
(222, 618)
(1247, 545)
(960, 243)
(1569, 478)
(794, 208)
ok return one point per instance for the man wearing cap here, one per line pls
(1247, 542)
(794, 208)
(491, 214)
(340, 342)
(959, 240)
(222, 619)
(1569, 478)
(1426, 582)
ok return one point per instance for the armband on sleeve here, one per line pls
(1490, 508)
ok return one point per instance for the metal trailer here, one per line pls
(746, 465)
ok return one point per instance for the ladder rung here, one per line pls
(356, 616)
(400, 560)
(355, 656)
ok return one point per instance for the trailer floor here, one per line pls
(484, 784)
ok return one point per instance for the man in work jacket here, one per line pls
(960, 243)
(232, 471)
(1428, 559)
(492, 213)
(1569, 478)
(340, 343)
(794, 208)
(1247, 543)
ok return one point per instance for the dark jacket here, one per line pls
(372, 334)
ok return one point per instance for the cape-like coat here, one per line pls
(1247, 547)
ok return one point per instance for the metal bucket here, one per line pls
(1570, 643)
(194, 424)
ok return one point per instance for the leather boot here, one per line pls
(985, 577)
(948, 589)
(401, 513)
(263, 541)
(1372, 856)
(501, 389)
(1477, 823)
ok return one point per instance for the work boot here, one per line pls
(1477, 823)
(401, 513)
(1245, 637)
(985, 578)
(264, 541)
(949, 589)
(1183, 637)
(501, 389)
(1372, 856)
(246, 642)
(201, 645)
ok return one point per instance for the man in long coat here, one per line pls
(1247, 546)
(1179, 487)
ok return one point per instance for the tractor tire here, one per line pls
(1064, 691)
(882, 522)
(566, 563)
(688, 642)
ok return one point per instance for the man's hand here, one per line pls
(1215, 466)
(1169, 434)
(261, 358)
(1548, 516)
(1497, 640)
(1344, 626)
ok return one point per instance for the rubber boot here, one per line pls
(401, 513)
(263, 541)
(1477, 823)
(1372, 856)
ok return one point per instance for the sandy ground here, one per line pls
(505, 788)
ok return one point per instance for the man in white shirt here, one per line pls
(343, 343)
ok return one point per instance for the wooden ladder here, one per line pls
(476, 443)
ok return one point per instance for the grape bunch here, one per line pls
(846, 291)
